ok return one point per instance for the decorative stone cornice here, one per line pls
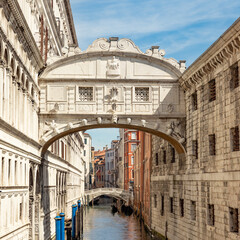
(53, 26)
(11, 48)
(213, 57)
(18, 134)
(71, 22)
(118, 48)
(20, 27)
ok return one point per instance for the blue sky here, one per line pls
(184, 28)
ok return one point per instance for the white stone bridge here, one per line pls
(118, 193)
(112, 84)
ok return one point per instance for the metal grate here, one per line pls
(85, 94)
(212, 90)
(194, 101)
(171, 204)
(234, 132)
(211, 214)
(233, 217)
(142, 94)
(155, 200)
(162, 205)
(182, 207)
(164, 156)
(156, 159)
(193, 210)
(172, 154)
(234, 82)
(195, 148)
(212, 144)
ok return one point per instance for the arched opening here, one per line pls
(37, 206)
(55, 135)
(6, 56)
(31, 203)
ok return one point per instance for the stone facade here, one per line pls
(33, 189)
(199, 198)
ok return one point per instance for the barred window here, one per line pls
(212, 144)
(233, 219)
(156, 159)
(172, 154)
(194, 101)
(234, 82)
(162, 205)
(210, 215)
(212, 90)
(181, 207)
(193, 210)
(142, 94)
(155, 200)
(234, 137)
(164, 156)
(85, 94)
(171, 204)
(195, 148)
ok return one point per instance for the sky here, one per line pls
(183, 28)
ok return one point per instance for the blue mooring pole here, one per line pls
(79, 204)
(58, 227)
(62, 215)
(74, 209)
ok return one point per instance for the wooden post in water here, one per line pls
(81, 220)
(77, 233)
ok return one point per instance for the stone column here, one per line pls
(6, 95)
(1, 87)
(128, 99)
(13, 109)
(25, 127)
(1, 176)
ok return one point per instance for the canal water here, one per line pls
(101, 224)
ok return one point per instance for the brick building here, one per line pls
(99, 168)
(131, 140)
(142, 173)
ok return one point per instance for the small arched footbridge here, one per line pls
(118, 193)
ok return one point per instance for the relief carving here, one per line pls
(113, 67)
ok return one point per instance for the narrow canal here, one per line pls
(101, 224)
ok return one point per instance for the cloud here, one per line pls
(153, 20)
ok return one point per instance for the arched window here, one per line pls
(30, 182)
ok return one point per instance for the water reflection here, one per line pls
(101, 224)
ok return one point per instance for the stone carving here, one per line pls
(55, 108)
(70, 125)
(170, 108)
(155, 52)
(143, 123)
(84, 122)
(101, 44)
(114, 118)
(174, 129)
(129, 120)
(99, 120)
(113, 67)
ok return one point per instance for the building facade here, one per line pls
(33, 190)
(99, 168)
(142, 176)
(198, 198)
(131, 141)
(120, 161)
(87, 156)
